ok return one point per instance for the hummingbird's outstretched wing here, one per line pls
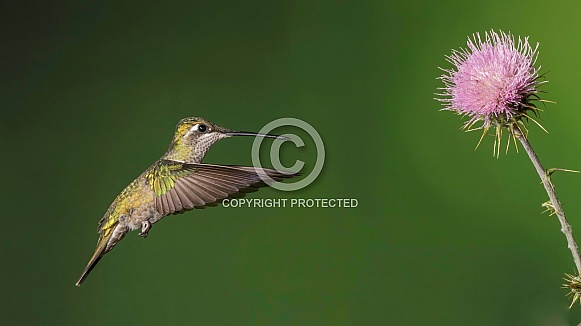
(182, 186)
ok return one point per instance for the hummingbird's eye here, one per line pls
(202, 128)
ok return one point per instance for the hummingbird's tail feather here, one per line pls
(99, 252)
(87, 270)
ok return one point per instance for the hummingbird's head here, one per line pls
(194, 136)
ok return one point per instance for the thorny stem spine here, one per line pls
(565, 226)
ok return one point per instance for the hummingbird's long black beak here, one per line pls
(254, 134)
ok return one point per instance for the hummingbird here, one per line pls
(179, 182)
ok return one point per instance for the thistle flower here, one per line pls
(493, 81)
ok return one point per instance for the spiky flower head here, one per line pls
(494, 81)
(574, 286)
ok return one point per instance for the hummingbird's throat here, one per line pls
(192, 150)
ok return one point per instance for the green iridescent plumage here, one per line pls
(163, 175)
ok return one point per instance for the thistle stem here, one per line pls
(565, 226)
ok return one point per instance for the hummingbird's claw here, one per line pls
(145, 227)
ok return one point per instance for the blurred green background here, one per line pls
(90, 93)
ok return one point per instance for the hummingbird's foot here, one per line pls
(145, 227)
